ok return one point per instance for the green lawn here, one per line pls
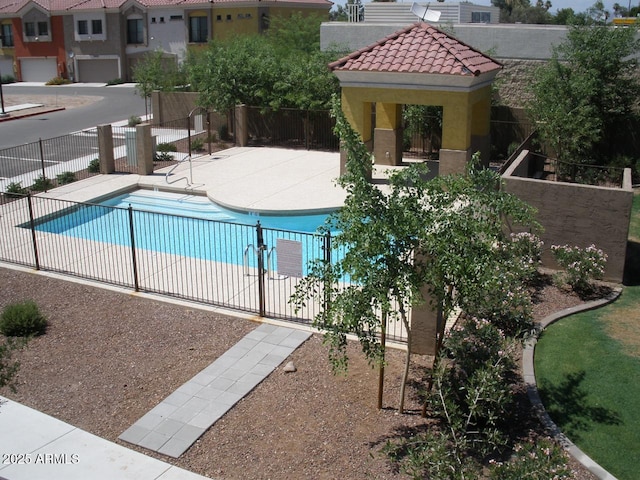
(588, 372)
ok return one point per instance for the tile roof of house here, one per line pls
(14, 6)
(419, 48)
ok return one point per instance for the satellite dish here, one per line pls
(424, 14)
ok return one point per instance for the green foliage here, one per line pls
(163, 152)
(197, 145)
(539, 460)
(8, 367)
(94, 166)
(41, 184)
(447, 234)
(22, 320)
(157, 71)
(283, 69)
(134, 120)
(65, 178)
(166, 147)
(115, 81)
(7, 79)
(581, 265)
(296, 34)
(58, 81)
(583, 98)
(15, 190)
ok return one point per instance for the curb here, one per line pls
(529, 376)
(26, 115)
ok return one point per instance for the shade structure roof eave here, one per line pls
(414, 81)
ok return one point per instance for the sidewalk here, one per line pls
(35, 446)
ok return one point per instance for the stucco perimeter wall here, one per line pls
(168, 106)
(579, 215)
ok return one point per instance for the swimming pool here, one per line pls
(190, 226)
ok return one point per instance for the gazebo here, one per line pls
(419, 65)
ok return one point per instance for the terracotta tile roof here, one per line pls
(13, 6)
(419, 48)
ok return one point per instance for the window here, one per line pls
(228, 17)
(83, 27)
(198, 29)
(7, 35)
(175, 17)
(96, 27)
(43, 29)
(30, 29)
(480, 17)
(161, 19)
(218, 18)
(134, 31)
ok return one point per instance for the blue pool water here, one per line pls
(186, 225)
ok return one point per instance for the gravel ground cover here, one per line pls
(109, 356)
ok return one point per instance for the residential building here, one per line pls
(101, 40)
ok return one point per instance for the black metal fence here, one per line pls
(243, 267)
(291, 128)
(45, 164)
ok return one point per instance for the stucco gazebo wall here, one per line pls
(465, 124)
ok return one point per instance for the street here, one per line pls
(116, 103)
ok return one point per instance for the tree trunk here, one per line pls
(383, 342)
(405, 375)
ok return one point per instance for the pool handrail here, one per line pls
(189, 180)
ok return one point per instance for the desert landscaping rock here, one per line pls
(109, 357)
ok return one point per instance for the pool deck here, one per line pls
(265, 180)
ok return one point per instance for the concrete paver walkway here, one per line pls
(180, 419)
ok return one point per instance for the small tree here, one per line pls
(446, 234)
(584, 97)
(156, 71)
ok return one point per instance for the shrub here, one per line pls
(41, 184)
(162, 157)
(8, 367)
(541, 460)
(115, 81)
(7, 79)
(22, 320)
(581, 265)
(15, 190)
(166, 147)
(58, 81)
(223, 132)
(94, 166)
(134, 120)
(65, 178)
(197, 145)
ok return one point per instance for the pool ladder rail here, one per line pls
(189, 180)
(256, 251)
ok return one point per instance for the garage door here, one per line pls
(97, 70)
(38, 69)
(6, 67)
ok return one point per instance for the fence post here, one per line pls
(307, 131)
(32, 226)
(209, 132)
(261, 248)
(105, 149)
(133, 250)
(44, 178)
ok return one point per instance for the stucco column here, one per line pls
(426, 322)
(105, 149)
(387, 137)
(241, 127)
(481, 126)
(358, 113)
(456, 137)
(144, 149)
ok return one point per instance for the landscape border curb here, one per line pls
(528, 373)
